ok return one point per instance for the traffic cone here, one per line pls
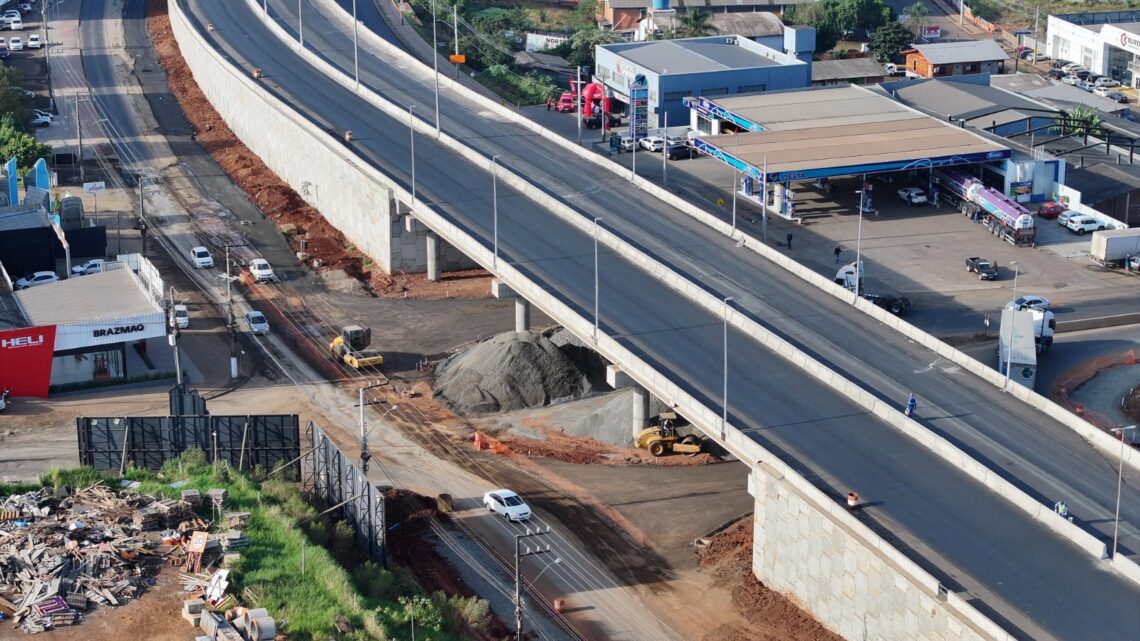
(852, 500)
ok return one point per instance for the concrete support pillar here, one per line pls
(432, 256)
(522, 314)
(640, 408)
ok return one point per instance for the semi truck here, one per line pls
(1002, 215)
(1112, 246)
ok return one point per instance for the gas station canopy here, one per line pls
(833, 131)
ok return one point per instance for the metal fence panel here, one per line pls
(333, 477)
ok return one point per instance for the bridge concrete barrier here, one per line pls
(231, 91)
(1089, 432)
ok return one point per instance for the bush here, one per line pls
(75, 477)
(468, 614)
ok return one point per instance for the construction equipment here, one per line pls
(351, 347)
(662, 438)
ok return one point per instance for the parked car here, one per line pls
(1056, 74)
(983, 268)
(15, 43)
(680, 150)
(1070, 67)
(93, 266)
(652, 143)
(896, 305)
(1102, 91)
(181, 316)
(1050, 210)
(1083, 74)
(1116, 96)
(39, 120)
(16, 24)
(1106, 82)
(24, 7)
(34, 42)
(508, 504)
(35, 278)
(257, 323)
(4, 52)
(1081, 225)
(1064, 216)
(1071, 80)
(201, 257)
(45, 114)
(1028, 302)
(912, 195)
(261, 270)
(1084, 85)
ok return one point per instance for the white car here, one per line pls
(181, 316)
(16, 24)
(652, 143)
(1071, 80)
(40, 113)
(1028, 302)
(1065, 216)
(36, 278)
(261, 270)
(34, 42)
(1102, 91)
(93, 266)
(201, 257)
(1072, 67)
(39, 120)
(506, 503)
(1081, 225)
(257, 323)
(912, 195)
(15, 43)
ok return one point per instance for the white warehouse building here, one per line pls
(1104, 42)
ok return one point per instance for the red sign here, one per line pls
(932, 32)
(25, 360)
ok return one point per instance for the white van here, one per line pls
(16, 24)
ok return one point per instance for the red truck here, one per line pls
(565, 103)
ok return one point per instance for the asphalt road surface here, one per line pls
(1035, 583)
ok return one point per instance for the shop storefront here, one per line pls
(1104, 42)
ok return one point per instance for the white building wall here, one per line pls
(1067, 41)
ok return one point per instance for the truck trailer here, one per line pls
(1112, 246)
(1002, 215)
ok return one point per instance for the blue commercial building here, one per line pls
(709, 66)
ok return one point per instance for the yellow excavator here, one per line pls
(662, 438)
(351, 347)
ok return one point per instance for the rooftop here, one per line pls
(948, 53)
(750, 24)
(851, 68)
(107, 296)
(724, 5)
(21, 217)
(1056, 93)
(833, 131)
(695, 55)
(961, 99)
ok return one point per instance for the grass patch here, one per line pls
(337, 582)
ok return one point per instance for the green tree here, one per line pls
(1082, 120)
(823, 16)
(583, 42)
(585, 14)
(859, 14)
(17, 143)
(915, 16)
(889, 40)
(694, 24)
(13, 99)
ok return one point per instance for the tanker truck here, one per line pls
(1002, 215)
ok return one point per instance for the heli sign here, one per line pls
(25, 360)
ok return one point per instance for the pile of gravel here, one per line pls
(511, 371)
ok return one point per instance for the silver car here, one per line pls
(257, 323)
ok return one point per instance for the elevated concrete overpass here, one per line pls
(670, 343)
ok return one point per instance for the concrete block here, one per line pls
(193, 606)
(194, 619)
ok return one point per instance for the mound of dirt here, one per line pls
(510, 371)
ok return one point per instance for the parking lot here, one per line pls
(916, 251)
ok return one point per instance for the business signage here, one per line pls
(25, 360)
(111, 332)
(932, 32)
(94, 187)
(1120, 38)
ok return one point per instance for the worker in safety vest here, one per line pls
(1062, 509)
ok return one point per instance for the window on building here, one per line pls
(971, 68)
(752, 88)
(674, 97)
(716, 91)
(704, 125)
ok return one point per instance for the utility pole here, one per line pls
(578, 101)
(174, 338)
(665, 152)
(519, 554)
(79, 130)
(455, 20)
(355, 46)
(1036, 33)
(434, 63)
(142, 215)
(231, 323)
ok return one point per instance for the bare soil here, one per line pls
(771, 616)
(587, 451)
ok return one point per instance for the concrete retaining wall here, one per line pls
(1089, 432)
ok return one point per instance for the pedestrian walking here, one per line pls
(549, 101)
(789, 237)
(838, 251)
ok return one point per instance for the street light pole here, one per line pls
(232, 324)
(1009, 345)
(735, 188)
(495, 210)
(173, 320)
(300, 24)
(578, 101)
(435, 63)
(764, 201)
(724, 414)
(596, 224)
(665, 151)
(355, 47)
(859, 238)
(1119, 431)
(412, 138)
(79, 131)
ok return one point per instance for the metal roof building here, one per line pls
(961, 58)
